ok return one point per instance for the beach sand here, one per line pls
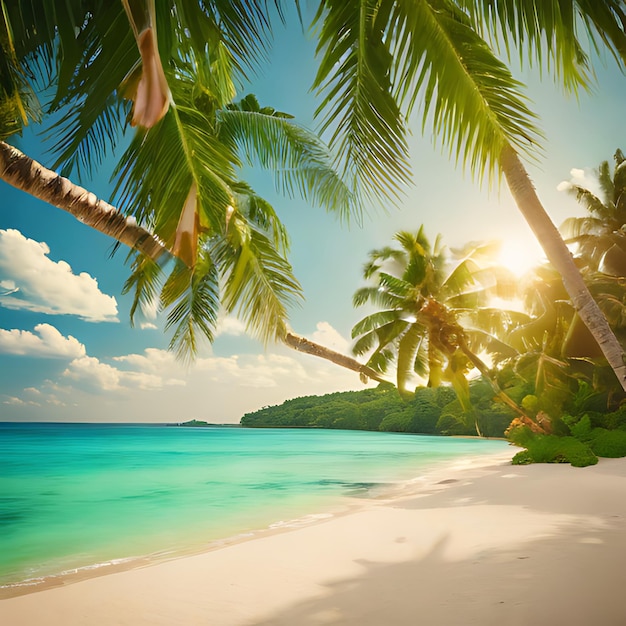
(476, 545)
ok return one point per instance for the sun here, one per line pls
(519, 256)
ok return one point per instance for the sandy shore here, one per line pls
(490, 545)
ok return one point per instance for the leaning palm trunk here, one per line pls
(559, 255)
(28, 175)
(481, 366)
(301, 344)
(22, 172)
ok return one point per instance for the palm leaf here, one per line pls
(91, 111)
(374, 321)
(358, 109)
(545, 33)
(191, 299)
(301, 163)
(408, 349)
(258, 284)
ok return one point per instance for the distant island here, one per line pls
(432, 411)
(202, 424)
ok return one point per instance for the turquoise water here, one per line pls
(76, 495)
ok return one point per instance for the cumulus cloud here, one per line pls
(327, 336)
(42, 285)
(585, 178)
(45, 342)
(94, 375)
(15, 401)
(147, 326)
(230, 326)
(153, 370)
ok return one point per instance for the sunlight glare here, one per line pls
(519, 257)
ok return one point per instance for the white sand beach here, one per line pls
(490, 545)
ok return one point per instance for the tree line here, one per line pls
(203, 242)
(430, 411)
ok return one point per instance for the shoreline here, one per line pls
(430, 479)
(471, 544)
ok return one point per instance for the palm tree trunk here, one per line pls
(301, 344)
(559, 255)
(481, 366)
(22, 172)
(28, 175)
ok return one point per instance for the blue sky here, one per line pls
(68, 352)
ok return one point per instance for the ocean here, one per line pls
(78, 496)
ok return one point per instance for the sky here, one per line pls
(69, 353)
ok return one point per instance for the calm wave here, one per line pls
(77, 495)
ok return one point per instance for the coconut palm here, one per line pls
(381, 59)
(433, 318)
(601, 235)
(556, 352)
(178, 180)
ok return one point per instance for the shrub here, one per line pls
(611, 421)
(551, 449)
(608, 443)
(398, 422)
(582, 429)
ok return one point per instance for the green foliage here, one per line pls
(397, 422)
(582, 429)
(608, 443)
(431, 411)
(611, 421)
(550, 449)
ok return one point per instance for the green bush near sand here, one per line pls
(583, 447)
(608, 443)
(550, 449)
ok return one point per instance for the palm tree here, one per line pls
(177, 183)
(379, 58)
(601, 236)
(382, 58)
(556, 353)
(434, 317)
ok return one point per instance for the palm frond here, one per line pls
(192, 300)
(408, 349)
(606, 182)
(470, 97)
(376, 320)
(358, 108)
(258, 284)
(260, 212)
(588, 199)
(90, 108)
(575, 228)
(376, 296)
(301, 163)
(144, 281)
(545, 33)
(605, 21)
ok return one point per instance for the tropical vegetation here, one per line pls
(430, 411)
(203, 241)
(170, 70)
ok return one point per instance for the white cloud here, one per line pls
(327, 336)
(48, 343)
(585, 178)
(230, 326)
(15, 401)
(147, 326)
(46, 286)
(94, 374)
(151, 371)
(154, 386)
